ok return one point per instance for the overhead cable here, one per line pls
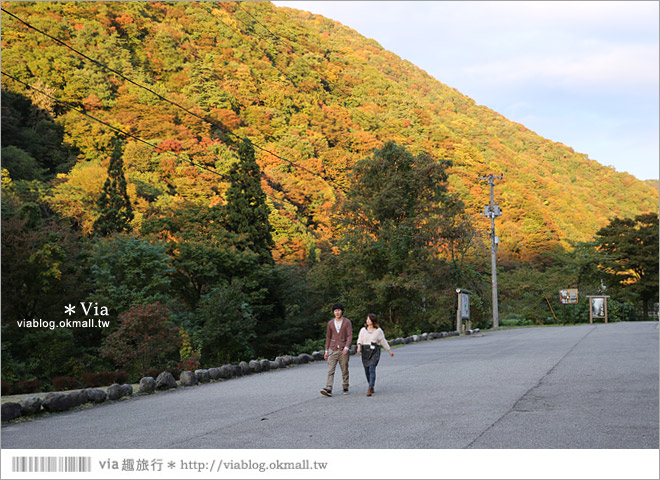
(135, 137)
(215, 124)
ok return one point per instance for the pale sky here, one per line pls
(581, 73)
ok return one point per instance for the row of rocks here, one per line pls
(422, 338)
(63, 401)
(225, 372)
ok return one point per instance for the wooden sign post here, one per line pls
(597, 307)
(463, 311)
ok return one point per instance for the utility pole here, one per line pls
(492, 211)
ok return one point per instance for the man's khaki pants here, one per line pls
(333, 357)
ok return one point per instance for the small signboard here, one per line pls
(463, 311)
(597, 307)
(465, 306)
(568, 296)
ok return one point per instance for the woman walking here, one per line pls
(370, 339)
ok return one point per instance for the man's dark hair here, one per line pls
(338, 306)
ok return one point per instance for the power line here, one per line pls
(135, 137)
(119, 74)
(275, 201)
(222, 128)
(273, 64)
(118, 130)
(327, 179)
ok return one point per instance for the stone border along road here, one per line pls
(569, 387)
(27, 405)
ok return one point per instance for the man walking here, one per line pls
(338, 338)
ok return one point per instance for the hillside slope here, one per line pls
(304, 88)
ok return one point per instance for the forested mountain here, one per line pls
(229, 170)
(307, 89)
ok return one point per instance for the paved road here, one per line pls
(590, 386)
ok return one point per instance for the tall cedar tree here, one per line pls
(246, 210)
(114, 204)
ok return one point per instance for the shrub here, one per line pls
(309, 346)
(6, 388)
(90, 380)
(121, 376)
(65, 383)
(153, 372)
(106, 378)
(26, 386)
(191, 363)
(145, 339)
(190, 359)
(515, 320)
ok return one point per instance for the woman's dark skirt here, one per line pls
(370, 356)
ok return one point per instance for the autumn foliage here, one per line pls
(274, 162)
(322, 100)
(145, 338)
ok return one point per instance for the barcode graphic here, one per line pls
(51, 464)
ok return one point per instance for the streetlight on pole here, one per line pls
(492, 211)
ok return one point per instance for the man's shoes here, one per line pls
(370, 392)
(345, 391)
(327, 392)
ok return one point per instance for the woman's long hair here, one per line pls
(374, 320)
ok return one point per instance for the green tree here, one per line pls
(44, 267)
(115, 207)
(246, 209)
(21, 165)
(279, 299)
(42, 264)
(229, 325)
(203, 253)
(33, 145)
(286, 311)
(128, 271)
(395, 223)
(630, 263)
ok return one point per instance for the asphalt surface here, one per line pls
(588, 386)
